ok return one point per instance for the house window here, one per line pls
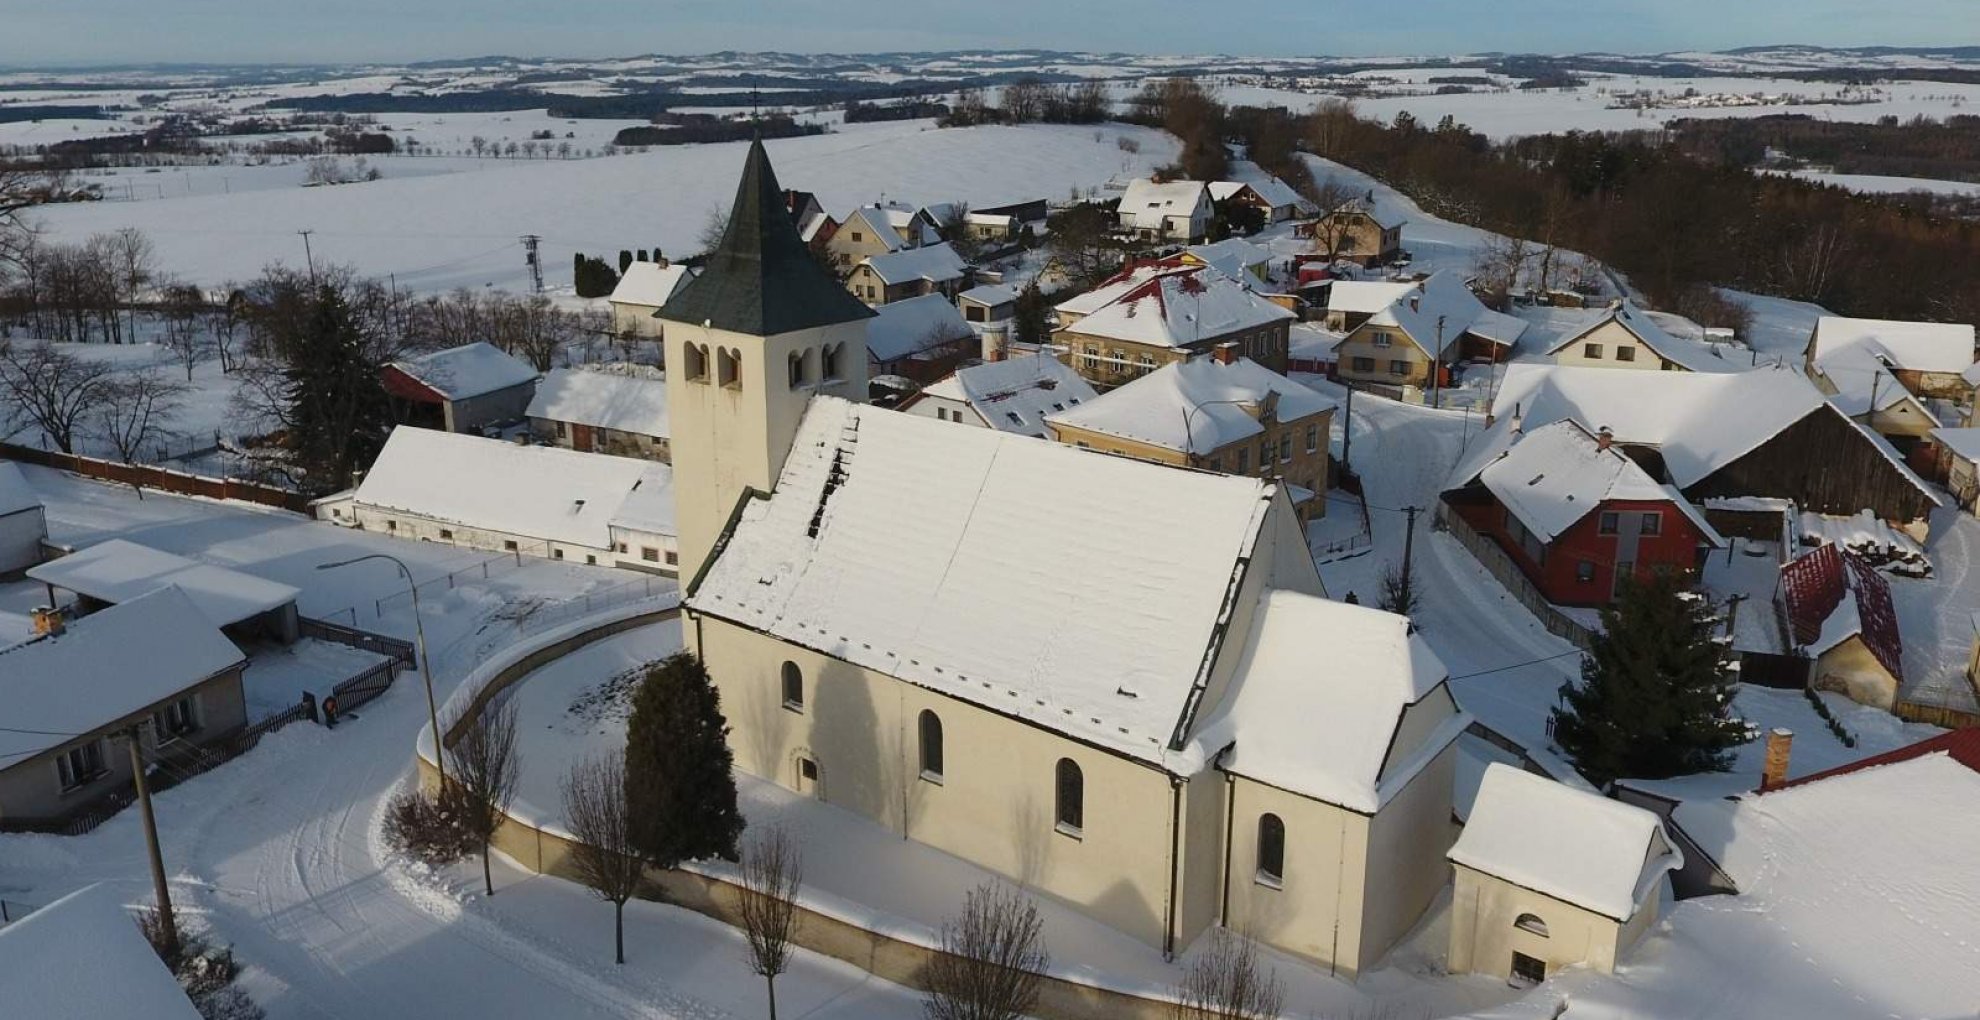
(1611, 522)
(1531, 923)
(1285, 448)
(1092, 356)
(622, 547)
(1625, 354)
(1070, 798)
(941, 414)
(391, 525)
(793, 687)
(561, 430)
(1243, 461)
(591, 560)
(857, 236)
(1264, 453)
(1312, 438)
(1271, 850)
(1584, 571)
(1527, 971)
(1651, 524)
(1364, 364)
(1592, 352)
(177, 719)
(649, 554)
(673, 558)
(1398, 367)
(728, 367)
(931, 747)
(1382, 339)
(79, 765)
(556, 554)
(509, 545)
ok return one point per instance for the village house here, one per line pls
(1959, 455)
(460, 389)
(1625, 336)
(1217, 413)
(155, 662)
(110, 573)
(922, 338)
(1761, 433)
(1438, 323)
(1130, 725)
(542, 501)
(1843, 623)
(814, 225)
(43, 957)
(1012, 395)
(1354, 231)
(1578, 517)
(909, 273)
(1903, 379)
(866, 232)
(1547, 876)
(1154, 314)
(1274, 199)
(986, 303)
(992, 228)
(23, 521)
(641, 292)
(622, 412)
(1353, 302)
(1175, 211)
(1235, 257)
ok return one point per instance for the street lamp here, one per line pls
(425, 667)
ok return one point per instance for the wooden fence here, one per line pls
(163, 479)
(1501, 567)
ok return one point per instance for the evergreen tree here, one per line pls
(336, 413)
(678, 784)
(1655, 698)
(592, 277)
(1030, 326)
(625, 260)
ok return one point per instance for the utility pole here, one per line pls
(167, 924)
(1347, 432)
(530, 242)
(309, 255)
(1437, 368)
(1409, 549)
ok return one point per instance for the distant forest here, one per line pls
(1946, 150)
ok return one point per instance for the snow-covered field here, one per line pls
(461, 229)
(1874, 184)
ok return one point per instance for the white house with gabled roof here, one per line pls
(23, 521)
(1013, 395)
(1625, 336)
(1550, 876)
(1001, 648)
(1174, 211)
(642, 291)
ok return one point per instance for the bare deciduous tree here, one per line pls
(1226, 983)
(605, 858)
(50, 389)
(486, 767)
(134, 261)
(183, 307)
(1502, 261)
(132, 411)
(713, 228)
(772, 870)
(991, 960)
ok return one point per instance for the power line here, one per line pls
(1519, 665)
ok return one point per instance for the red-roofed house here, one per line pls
(1962, 746)
(1840, 615)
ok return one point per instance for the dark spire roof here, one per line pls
(761, 280)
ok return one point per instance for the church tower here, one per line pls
(747, 344)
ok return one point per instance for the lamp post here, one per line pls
(425, 667)
(1189, 438)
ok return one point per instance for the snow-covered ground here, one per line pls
(1876, 184)
(460, 229)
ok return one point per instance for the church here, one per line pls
(1117, 683)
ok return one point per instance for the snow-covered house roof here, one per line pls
(83, 956)
(1181, 307)
(1110, 290)
(650, 284)
(1198, 406)
(1326, 726)
(1146, 205)
(1270, 190)
(905, 328)
(936, 263)
(1963, 443)
(120, 571)
(1699, 421)
(603, 400)
(1358, 206)
(1863, 381)
(543, 492)
(1574, 845)
(16, 494)
(470, 370)
(992, 294)
(876, 224)
(1016, 394)
(1557, 474)
(105, 666)
(1442, 306)
(1366, 297)
(1235, 257)
(1832, 595)
(1690, 354)
(1074, 627)
(1918, 346)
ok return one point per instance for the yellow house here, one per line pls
(1548, 876)
(1960, 452)
(641, 293)
(1356, 232)
(1437, 323)
(1842, 620)
(1219, 413)
(1114, 682)
(1628, 338)
(1155, 314)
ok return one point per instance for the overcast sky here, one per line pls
(43, 32)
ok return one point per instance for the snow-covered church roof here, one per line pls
(892, 542)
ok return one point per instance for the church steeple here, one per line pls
(762, 280)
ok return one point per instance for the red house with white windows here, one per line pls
(1577, 515)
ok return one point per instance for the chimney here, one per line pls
(1416, 301)
(47, 621)
(1773, 774)
(659, 259)
(994, 343)
(1226, 354)
(1604, 438)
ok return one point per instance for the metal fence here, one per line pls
(584, 605)
(363, 688)
(392, 648)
